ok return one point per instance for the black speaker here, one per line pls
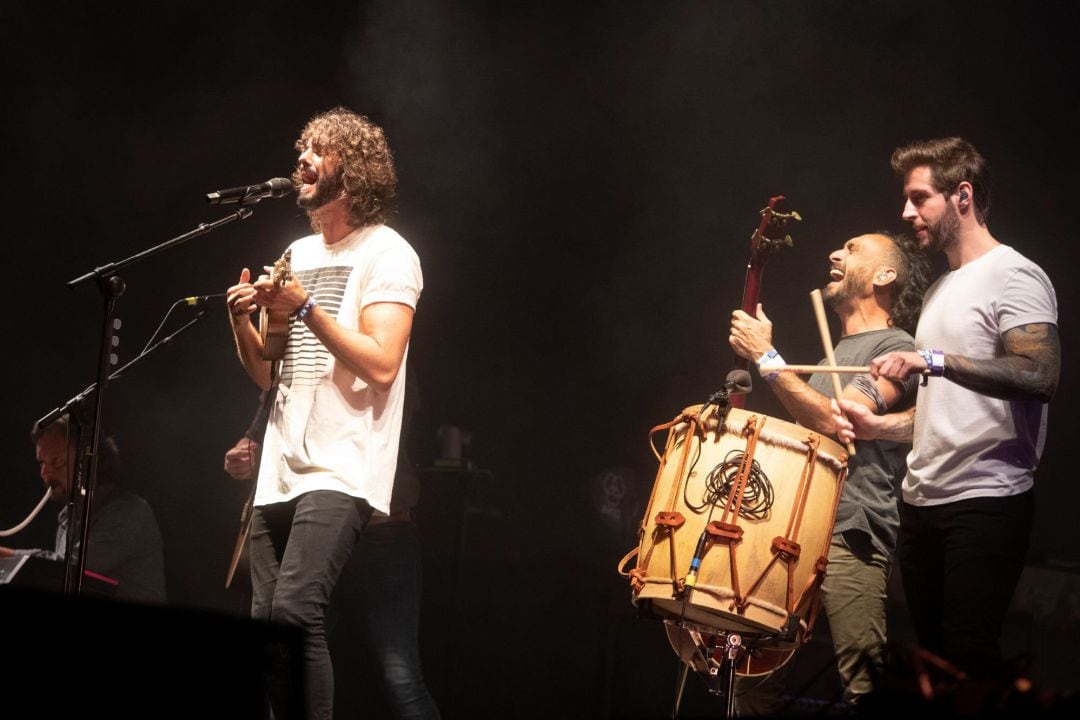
(67, 654)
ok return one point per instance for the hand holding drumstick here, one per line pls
(751, 337)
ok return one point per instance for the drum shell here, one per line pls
(781, 452)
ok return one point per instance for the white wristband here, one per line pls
(769, 361)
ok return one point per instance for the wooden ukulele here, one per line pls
(765, 241)
(274, 324)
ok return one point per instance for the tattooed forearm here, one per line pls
(1028, 371)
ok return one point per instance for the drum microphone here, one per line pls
(249, 194)
(737, 382)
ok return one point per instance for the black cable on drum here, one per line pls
(757, 494)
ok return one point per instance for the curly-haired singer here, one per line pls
(331, 444)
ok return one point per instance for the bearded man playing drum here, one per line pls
(877, 282)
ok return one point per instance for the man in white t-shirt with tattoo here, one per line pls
(990, 354)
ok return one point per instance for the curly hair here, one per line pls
(951, 161)
(364, 160)
(912, 278)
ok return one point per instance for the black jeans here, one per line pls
(298, 549)
(960, 563)
(378, 604)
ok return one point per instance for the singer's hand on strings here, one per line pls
(288, 297)
(240, 298)
(897, 365)
(751, 337)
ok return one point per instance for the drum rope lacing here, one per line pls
(638, 574)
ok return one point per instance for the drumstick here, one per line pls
(826, 341)
(811, 369)
(839, 369)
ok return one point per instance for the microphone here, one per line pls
(250, 194)
(738, 382)
(196, 300)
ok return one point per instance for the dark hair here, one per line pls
(108, 452)
(364, 158)
(912, 278)
(951, 161)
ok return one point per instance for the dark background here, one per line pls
(580, 181)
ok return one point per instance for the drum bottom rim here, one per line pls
(680, 612)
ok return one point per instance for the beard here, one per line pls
(847, 288)
(327, 189)
(943, 234)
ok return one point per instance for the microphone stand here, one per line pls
(112, 286)
(69, 407)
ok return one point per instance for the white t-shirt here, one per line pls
(328, 430)
(966, 444)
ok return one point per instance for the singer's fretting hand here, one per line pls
(240, 298)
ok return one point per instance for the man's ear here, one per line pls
(884, 276)
(964, 196)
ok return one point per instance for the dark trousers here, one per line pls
(377, 608)
(960, 563)
(298, 550)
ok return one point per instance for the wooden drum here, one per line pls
(736, 534)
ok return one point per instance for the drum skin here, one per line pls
(772, 616)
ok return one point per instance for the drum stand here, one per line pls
(717, 656)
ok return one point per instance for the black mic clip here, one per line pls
(737, 382)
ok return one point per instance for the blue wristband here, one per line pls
(935, 362)
(306, 308)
